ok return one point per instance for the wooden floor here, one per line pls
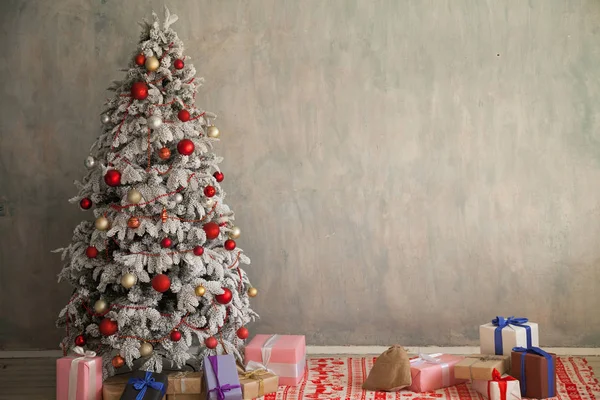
(34, 378)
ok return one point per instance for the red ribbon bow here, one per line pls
(502, 385)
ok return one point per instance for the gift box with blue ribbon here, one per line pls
(536, 371)
(221, 377)
(502, 334)
(145, 385)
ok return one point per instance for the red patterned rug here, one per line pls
(341, 379)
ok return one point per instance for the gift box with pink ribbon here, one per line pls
(499, 387)
(79, 377)
(433, 371)
(283, 355)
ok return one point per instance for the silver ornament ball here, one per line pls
(178, 198)
(154, 122)
(104, 118)
(90, 162)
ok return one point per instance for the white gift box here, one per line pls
(513, 389)
(512, 336)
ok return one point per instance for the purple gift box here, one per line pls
(221, 377)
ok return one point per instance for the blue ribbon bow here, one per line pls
(143, 384)
(219, 389)
(501, 323)
(550, 369)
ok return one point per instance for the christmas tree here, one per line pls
(156, 270)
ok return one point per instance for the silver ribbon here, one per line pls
(88, 356)
(433, 359)
(280, 369)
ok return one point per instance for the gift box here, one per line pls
(481, 367)
(113, 387)
(185, 385)
(285, 355)
(433, 371)
(257, 383)
(536, 371)
(499, 387)
(79, 377)
(221, 378)
(502, 334)
(145, 385)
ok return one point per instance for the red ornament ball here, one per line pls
(164, 153)
(242, 333)
(85, 203)
(140, 59)
(198, 250)
(212, 230)
(185, 147)
(117, 361)
(166, 243)
(224, 298)
(210, 191)
(139, 90)
(112, 177)
(161, 283)
(229, 244)
(178, 64)
(219, 176)
(175, 336)
(80, 341)
(91, 252)
(211, 342)
(108, 327)
(183, 115)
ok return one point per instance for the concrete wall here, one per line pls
(402, 170)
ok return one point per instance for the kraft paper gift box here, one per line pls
(221, 378)
(498, 388)
(79, 377)
(433, 371)
(185, 385)
(145, 385)
(481, 367)
(285, 355)
(502, 334)
(536, 371)
(257, 383)
(113, 387)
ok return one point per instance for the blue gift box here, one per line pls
(221, 378)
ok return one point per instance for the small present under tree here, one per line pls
(155, 265)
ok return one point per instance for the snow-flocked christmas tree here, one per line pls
(156, 266)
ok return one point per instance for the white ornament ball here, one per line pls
(178, 198)
(154, 122)
(89, 162)
(146, 349)
(212, 132)
(209, 202)
(104, 118)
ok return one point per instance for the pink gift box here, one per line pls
(79, 377)
(285, 355)
(433, 371)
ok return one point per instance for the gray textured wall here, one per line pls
(402, 170)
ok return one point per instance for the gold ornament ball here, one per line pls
(152, 64)
(235, 233)
(146, 349)
(128, 280)
(212, 132)
(102, 223)
(252, 292)
(134, 196)
(100, 306)
(200, 290)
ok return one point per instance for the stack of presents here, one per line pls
(510, 365)
(270, 361)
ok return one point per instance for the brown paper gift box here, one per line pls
(536, 374)
(480, 367)
(257, 383)
(190, 382)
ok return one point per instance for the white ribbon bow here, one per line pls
(82, 355)
(433, 359)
